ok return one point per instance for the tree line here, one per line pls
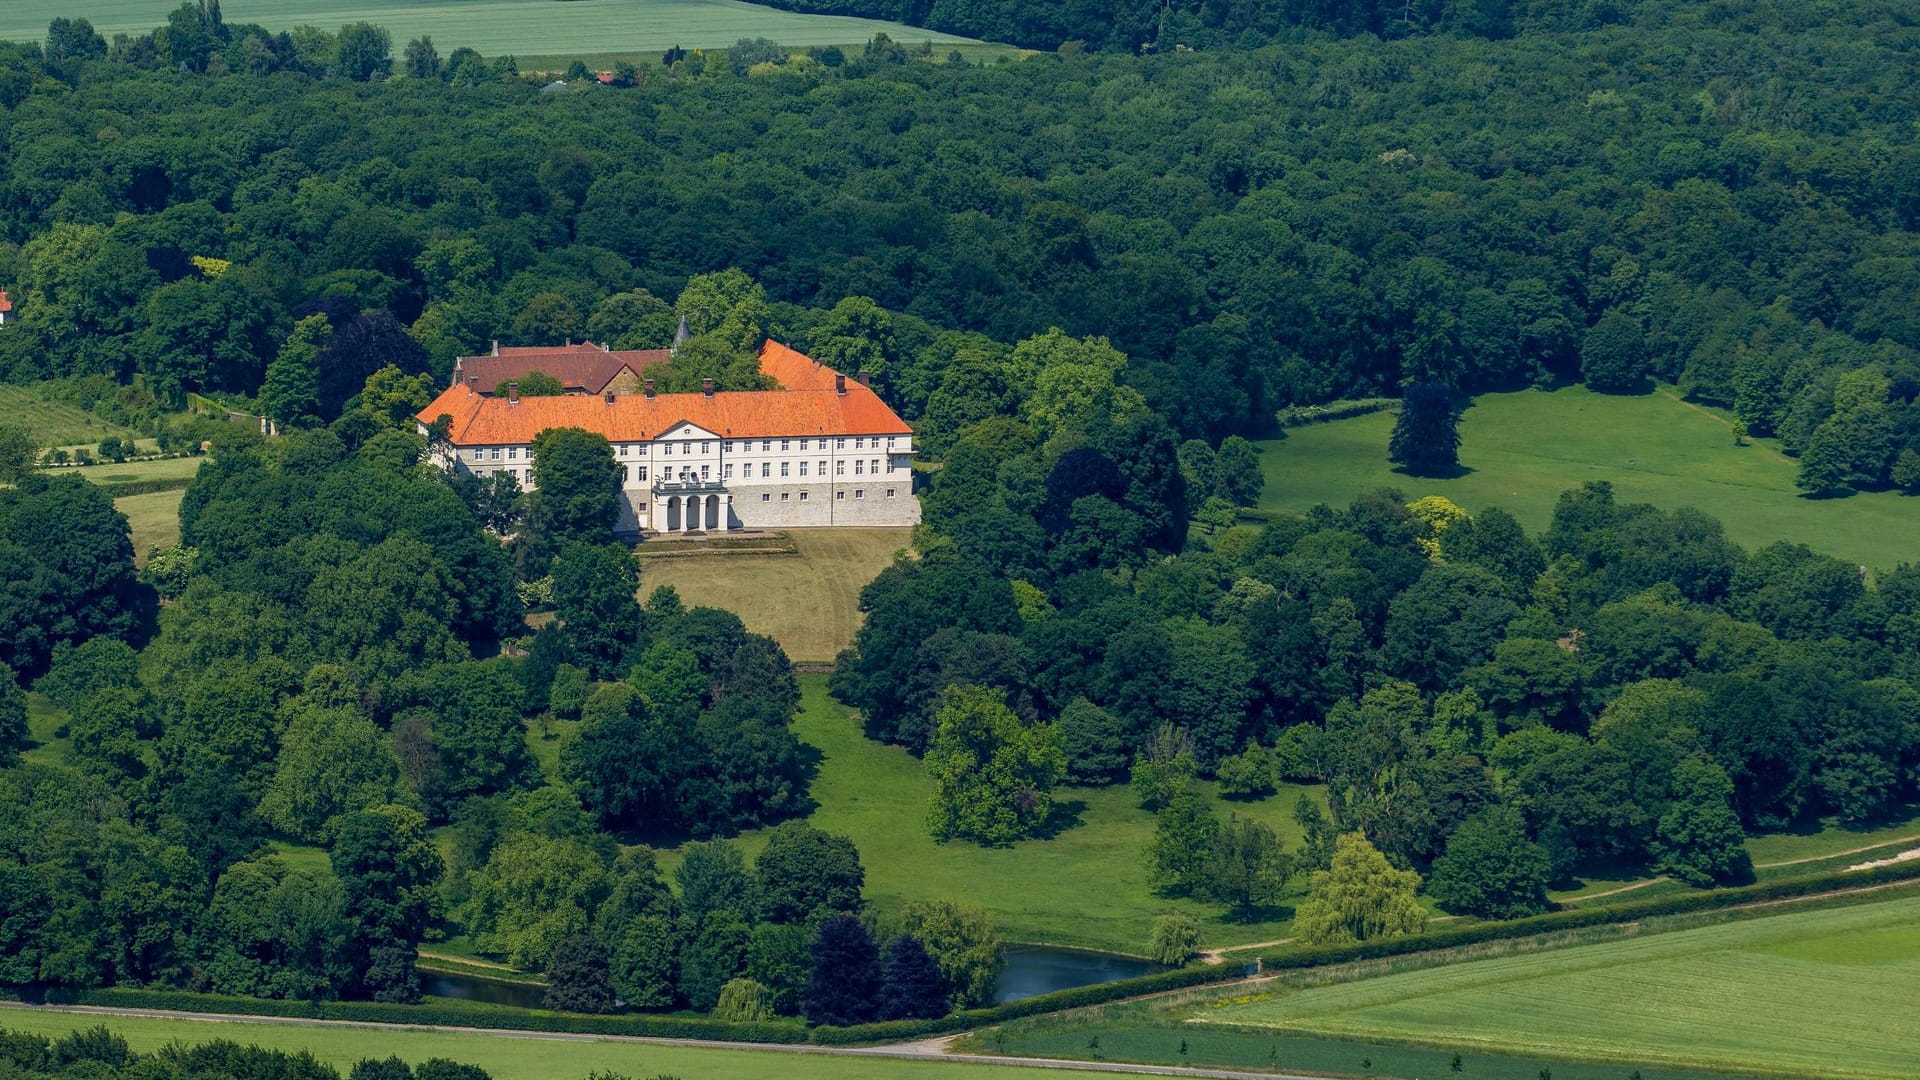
(1354, 217)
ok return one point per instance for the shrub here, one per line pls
(1175, 938)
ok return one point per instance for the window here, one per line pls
(840, 495)
(706, 446)
(859, 493)
(839, 468)
(889, 493)
(784, 496)
(728, 447)
(783, 468)
(803, 496)
(706, 472)
(643, 473)
(766, 469)
(874, 466)
(766, 445)
(889, 442)
(803, 468)
(859, 467)
(513, 453)
(803, 444)
(496, 453)
(666, 448)
(784, 443)
(823, 466)
(726, 471)
(841, 443)
(766, 496)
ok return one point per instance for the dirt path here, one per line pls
(1615, 892)
(1838, 854)
(468, 961)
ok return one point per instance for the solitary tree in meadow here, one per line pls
(1426, 436)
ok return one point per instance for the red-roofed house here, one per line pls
(6, 308)
(585, 368)
(823, 450)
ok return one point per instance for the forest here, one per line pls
(1085, 279)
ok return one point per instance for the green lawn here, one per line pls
(495, 27)
(1814, 993)
(1085, 887)
(52, 423)
(153, 517)
(808, 602)
(44, 718)
(1526, 447)
(509, 1058)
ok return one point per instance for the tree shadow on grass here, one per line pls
(1065, 815)
(1262, 913)
(1455, 473)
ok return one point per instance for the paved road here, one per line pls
(927, 1050)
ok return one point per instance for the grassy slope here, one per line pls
(1524, 448)
(496, 26)
(1085, 887)
(1817, 993)
(507, 1058)
(154, 519)
(809, 603)
(53, 423)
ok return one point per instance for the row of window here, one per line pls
(787, 496)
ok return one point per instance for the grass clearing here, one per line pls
(154, 519)
(1524, 448)
(506, 1057)
(809, 603)
(1087, 886)
(499, 27)
(44, 719)
(1812, 993)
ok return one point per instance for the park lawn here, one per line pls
(1780, 850)
(44, 718)
(498, 27)
(1811, 993)
(546, 737)
(153, 518)
(1522, 449)
(1085, 887)
(809, 603)
(506, 1057)
(53, 423)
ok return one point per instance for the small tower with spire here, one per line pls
(680, 337)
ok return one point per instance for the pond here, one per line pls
(1030, 970)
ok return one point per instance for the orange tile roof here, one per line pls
(5, 304)
(807, 405)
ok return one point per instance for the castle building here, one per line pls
(823, 450)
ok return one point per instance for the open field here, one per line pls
(507, 1057)
(496, 27)
(1526, 447)
(1813, 993)
(975, 52)
(1085, 887)
(53, 423)
(808, 602)
(154, 518)
(181, 469)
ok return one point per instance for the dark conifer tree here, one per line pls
(845, 984)
(911, 987)
(1426, 437)
(579, 976)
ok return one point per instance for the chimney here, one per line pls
(513, 393)
(863, 378)
(609, 397)
(604, 347)
(647, 384)
(496, 346)
(706, 387)
(840, 384)
(473, 382)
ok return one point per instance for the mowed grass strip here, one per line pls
(496, 27)
(1524, 448)
(1817, 993)
(809, 603)
(1086, 886)
(506, 1057)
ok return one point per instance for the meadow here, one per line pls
(1086, 886)
(809, 603)
(496, 27)
(54, 423)
(1521, 449)
(1814, 993)
(509, 1057)
(154, 518)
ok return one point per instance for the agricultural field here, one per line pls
(1815, 993)
(54, 423)
(510, 1057)
(1087, 886)
(1522, 449)
(497, 27)
(809, 603)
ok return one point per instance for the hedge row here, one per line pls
(484, 1015)
(121, 489)
(1306, 956)
(1301, 415)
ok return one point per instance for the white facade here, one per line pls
(693, 480)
